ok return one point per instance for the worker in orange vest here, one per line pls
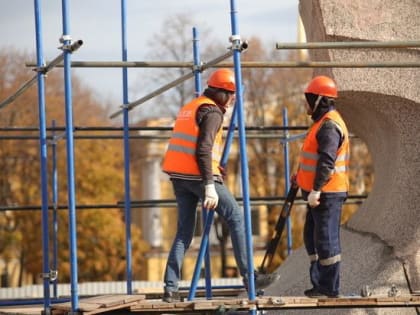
(323, 178)
(192, 162)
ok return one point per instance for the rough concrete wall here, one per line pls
(366, 261)
(381, 242)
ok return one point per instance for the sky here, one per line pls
(98, 24)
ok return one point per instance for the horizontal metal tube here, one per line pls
(172, 203)
(76, 45)
(349, 45)
(247, 64)
(134, 128)
(333, 64)
(175, 82)
(116, 137)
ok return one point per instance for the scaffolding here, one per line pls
(197, 67)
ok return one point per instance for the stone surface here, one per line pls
(381, 242)
(366, 261)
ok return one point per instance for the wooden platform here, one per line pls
(136, 304)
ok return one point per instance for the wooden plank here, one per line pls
(221, 305)
(160, 305)
(144, 304)
(89, 305)
(186, 305)
(157, 293)
(346, 301)
(163, 305)
(113, 300)
(271, 300)
(202, 305)
(260, 303)
(67, 306)
(112, 308)
(285, 302)
(22, 309)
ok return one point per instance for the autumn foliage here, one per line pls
(99, 172)
(98, 180)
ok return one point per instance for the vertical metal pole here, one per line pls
(55, 206)
(203, 245)
(287, 176)
(197, 92)
(43, 158)
(197, 63)
(236, 43)
(70, 157)
(127, 203)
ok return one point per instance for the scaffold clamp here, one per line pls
(233, 38)
(198, 68)
(41, 69)
(52, 275)
(236, 42)
(238, 45)
(65, 37)
(125, 106)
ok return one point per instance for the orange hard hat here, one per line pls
(322, 85)
(222, 79)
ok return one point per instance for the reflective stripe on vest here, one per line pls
(180, 156)
(338, 181)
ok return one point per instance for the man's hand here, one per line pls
(210, 198)
(313, 198)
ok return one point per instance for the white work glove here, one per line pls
(313, 198)
(210, 197)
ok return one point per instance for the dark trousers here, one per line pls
(188, 193)
(322, 242)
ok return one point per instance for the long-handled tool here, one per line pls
(281, 222)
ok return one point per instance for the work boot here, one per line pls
(315, 294)
(262, 280)
(171, 296)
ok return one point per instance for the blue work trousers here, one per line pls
(188, 193)
(322, 242)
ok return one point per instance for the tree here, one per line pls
(174, 43)
(98, 178)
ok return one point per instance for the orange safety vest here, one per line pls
(339, 180)
(180, 156)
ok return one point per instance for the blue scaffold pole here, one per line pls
(287, 177)
(66, 40)
(197, 92)
(203, 246)
(54, 185)
(236, 46)
(127, 201)
(197, 63)
(43, 158)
